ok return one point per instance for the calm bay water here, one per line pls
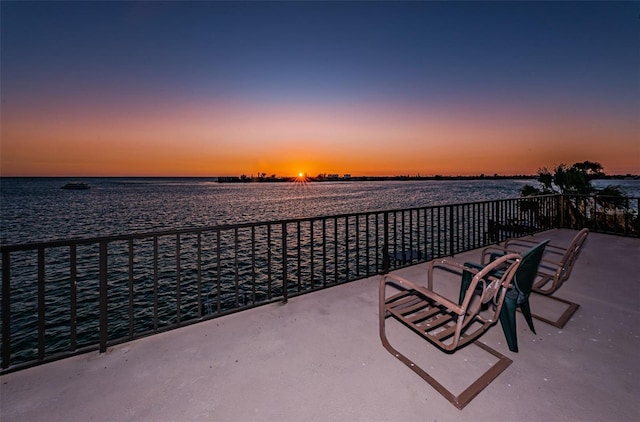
(36, 209)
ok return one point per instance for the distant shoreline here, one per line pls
(335, 178)
(332, 178)
(246, 179)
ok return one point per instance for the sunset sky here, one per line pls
(366, 88)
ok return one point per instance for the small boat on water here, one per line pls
(76, 186)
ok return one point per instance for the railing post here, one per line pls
(6, 309)
(103, 296)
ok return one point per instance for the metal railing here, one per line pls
(72, 296)
(604, 214)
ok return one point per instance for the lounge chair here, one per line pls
(518, 294)
(443, 322)
(554, 271)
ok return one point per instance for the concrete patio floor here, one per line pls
(319, 358)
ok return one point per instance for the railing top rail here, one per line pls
(223, 227)
(591, 195)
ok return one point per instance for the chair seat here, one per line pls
(426, 317)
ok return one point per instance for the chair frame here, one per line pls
(443, 322)
(521, 284)
(552, 274)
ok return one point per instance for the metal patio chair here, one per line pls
(443, 322)
(554, 271)
(517, 296)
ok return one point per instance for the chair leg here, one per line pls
(526, 311)
(464, 398)
(508, 322)
(566, 315)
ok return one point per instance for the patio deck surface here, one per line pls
(319, 358)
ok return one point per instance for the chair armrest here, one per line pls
(515, 240)
(474, 265)
(514, 243)
(500, 251)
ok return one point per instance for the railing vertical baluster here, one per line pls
(474, 212)
(473, 224)
(41, 304)
(367, 226)
(395, 238)
(269, 293)
(6, 309)
(450, 233)
(73, 293)
(199, 274)
(403, 234)
(299, 261)
(426, 234)
(432, 243)
(463, 232)
(236, 275)
(442, 231)
(626, 217)
(130, 288)
(418, 232)
(253, 264)
(357, 245)
(218, 272)
(103, 295)
(178, 280)
(377, 243)
(336, 265)
(285, 293)
(324, 252)
(467, 232)
(487, 218)
(155, 282)
(476, 226)
(385, 254)
(312, 274)
(459, 231)
(346, 248)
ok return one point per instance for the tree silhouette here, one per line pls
(586, 205)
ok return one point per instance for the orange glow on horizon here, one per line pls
(229, 139)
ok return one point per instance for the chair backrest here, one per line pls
(569, 259)
(471, 323)
(528, 271)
